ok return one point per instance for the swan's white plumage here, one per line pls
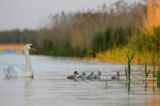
(15, 71)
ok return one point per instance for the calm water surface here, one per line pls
(51, 88)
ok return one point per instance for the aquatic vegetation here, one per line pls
(154, 71)
(146, 71)
(128, 69)
(126, 73)
(158, 78)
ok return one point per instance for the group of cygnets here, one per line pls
(91, 76)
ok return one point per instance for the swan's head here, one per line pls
(30, 47)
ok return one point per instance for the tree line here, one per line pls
(84, 33)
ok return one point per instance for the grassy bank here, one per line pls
(119, 55)
(145, 45)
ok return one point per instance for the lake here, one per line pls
(50, 87)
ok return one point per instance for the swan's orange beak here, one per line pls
(33, 49)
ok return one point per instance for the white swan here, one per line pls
(14, 71)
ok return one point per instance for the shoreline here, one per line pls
(120, 56)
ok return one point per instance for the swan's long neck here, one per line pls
(27, 58)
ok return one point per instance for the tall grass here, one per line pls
(110, 38)
(147, 47)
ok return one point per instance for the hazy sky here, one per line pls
(32, 14)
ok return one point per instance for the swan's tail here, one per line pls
(5, 72)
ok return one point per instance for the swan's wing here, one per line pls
(14, 71)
